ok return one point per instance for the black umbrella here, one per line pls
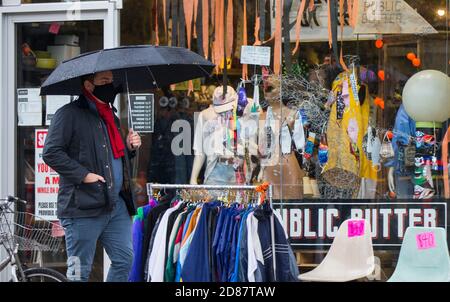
(143, 67)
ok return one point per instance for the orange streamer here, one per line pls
(298, 24)
(245, 41)
(188, 7)
(156, 24)
(277, 47)
(263, 190)
(205, 27)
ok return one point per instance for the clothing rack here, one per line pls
(152, 186)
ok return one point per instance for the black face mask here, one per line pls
(106, 93)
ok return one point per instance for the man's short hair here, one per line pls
(88, 77)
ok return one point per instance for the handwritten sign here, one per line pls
(390, 17)
(255, 55)
(355, 228)
(425, 241)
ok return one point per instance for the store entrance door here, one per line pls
(36, 38)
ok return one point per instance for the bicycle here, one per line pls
(26, 232)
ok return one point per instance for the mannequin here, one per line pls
(281, 169)
(214, 145)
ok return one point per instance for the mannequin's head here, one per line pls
(223, 103)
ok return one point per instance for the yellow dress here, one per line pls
(343, 167)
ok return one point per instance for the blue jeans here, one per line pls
(114, 230)
(222, 174)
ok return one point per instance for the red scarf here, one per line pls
(106, 113)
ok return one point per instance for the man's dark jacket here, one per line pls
(76, 145)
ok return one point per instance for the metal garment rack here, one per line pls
(152, 186)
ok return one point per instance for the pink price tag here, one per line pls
(54, 28)
(425, 241)
(355, 228)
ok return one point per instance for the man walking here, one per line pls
(95, 200)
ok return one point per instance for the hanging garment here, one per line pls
(169, 273)
(286, 140)
(299, 133)
(186, 242)
(280, 269)
(150, 226)
(137, 272)
(156, 266)
(255, 260)
(344, 140)
(196, 269)
(368, 170)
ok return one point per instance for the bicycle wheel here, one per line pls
(44, 275)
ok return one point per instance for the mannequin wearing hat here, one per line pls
(282, 171)
(214, 140)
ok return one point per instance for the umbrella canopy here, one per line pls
(143, 67)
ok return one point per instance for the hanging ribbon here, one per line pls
(341, 21)
(257, 25)
(188, 7)
(445, 163)
(263, 190)
(277, 47)
(245, 41)
(205, 27)
(156, 24)
(230, 33)
(330, 36)
(195, 17)
(311, 5)
(164, 4)
(298, 25)
(218, 50)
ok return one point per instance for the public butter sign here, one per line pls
(390, 17)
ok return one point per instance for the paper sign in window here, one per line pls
(425, 241)
(355, 228)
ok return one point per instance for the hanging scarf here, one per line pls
(106, 113)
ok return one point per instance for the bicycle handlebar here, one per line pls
(14, 199)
